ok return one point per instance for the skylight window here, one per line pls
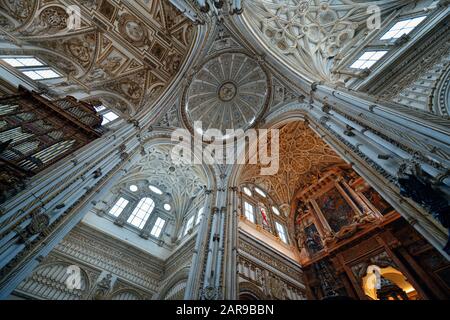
(260, 192)
(41, 74)
(157, 228)
(99, 108)
(109, 117)
(23, 62)
(402, 27)
(281, 232)
(155, 190)
(32, 67)
(368, 59)
(141, 213)
(118, 207)
(248, 212)
(276, 211)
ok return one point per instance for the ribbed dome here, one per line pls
(230, 91)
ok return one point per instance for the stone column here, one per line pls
(196, 270)
(232, 243)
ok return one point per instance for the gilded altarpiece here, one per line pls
(355, 245)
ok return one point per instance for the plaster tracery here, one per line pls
(311, 35)
(303, 156)
(182, 185)
(132, 58)
(125, 56)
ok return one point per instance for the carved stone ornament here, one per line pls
(311, 35)
(103, 288)
(276, 287)
(38, 223)
(417, 185)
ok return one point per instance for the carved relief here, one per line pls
(303, 155)
(133, 30)
(20, 10)
(102, 60)
(310, 36)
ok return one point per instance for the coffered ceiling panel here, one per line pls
(128, 50)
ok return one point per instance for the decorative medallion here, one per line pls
(38, 224)
(132, 29)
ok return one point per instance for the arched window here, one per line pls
(281, 232)
(263, 210)
(260, 192)
(276, 211)
(155, 190)
(249, 212)
(118, 207)
(141, 213)
(157, 227)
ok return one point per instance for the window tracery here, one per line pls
(259, 208)
(138, 207)
(141, 212)
(118, 207)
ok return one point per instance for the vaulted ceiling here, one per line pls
(312, 36)
(124, 53)
(182, 182)
(303, 156)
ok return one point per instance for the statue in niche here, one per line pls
(259, 276)
(423, 189)
(302, 210)
(300, 236)
(376, 271)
